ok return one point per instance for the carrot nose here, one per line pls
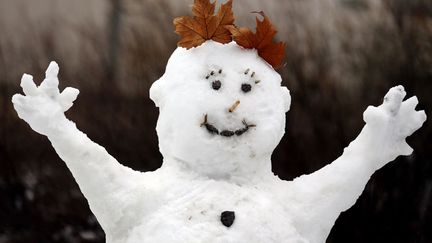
(234, 106)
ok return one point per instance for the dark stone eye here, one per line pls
(246, 88)
(216, 84)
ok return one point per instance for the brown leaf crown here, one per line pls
(206, 25)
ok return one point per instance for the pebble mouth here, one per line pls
(226, 133)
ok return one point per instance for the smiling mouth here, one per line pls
(226, 133)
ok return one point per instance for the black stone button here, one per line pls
(227, 218)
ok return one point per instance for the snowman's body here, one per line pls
(190, 211)
(222, 113)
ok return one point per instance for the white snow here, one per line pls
(205, 173)
(185, 96)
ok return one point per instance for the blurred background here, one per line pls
(342, 55)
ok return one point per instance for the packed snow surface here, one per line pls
(222, 113)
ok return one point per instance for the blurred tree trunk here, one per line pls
(113, 29)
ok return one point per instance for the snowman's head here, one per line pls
(222, 109)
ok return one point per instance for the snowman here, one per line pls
(222, 113)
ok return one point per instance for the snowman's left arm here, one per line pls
(320, 197)
(112, 190)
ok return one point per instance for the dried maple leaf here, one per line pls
(225, 18)
(262, 40)
(243, 36)
(205, 25)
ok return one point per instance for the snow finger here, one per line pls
(51, 82)
(405, 149)
(374, 116)
(28, 86)
(20, 104)
(411, 103)
(67, 97)
(393, 99)
(413, 124)
(18, 99)
(52, 70)
(421, 116)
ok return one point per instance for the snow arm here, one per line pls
(321, 196)
(100, 177)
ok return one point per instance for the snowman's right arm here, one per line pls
(104, 182)
(318, 199)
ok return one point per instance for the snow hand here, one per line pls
(394, 120)
(43, 107)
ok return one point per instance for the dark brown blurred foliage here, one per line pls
(342, 55)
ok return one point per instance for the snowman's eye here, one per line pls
(216, 84)
(246, 87)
